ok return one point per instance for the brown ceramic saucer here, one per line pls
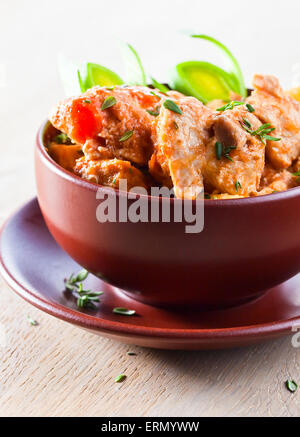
(34, 266)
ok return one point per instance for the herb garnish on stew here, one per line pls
(155, 113)
(32, 321)
(250, 107)
(230, 106)
(108, 102)
(62, 138)
(237, 186)
(126, 136)
(172, 106)
(223, 151)
(262, 132)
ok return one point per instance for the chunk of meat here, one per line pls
(82, 119)
(94, 150)
(296, 166)
(109, 172)
(274, 106)
(180, 149)
(276, 180)
(65, 155)
(180, 146)
(237, 166)
(159, 169)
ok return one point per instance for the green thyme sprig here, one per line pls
(62, 138)
(128, 134)
(247, 123)
(234, 103)
(154, 113)
(223, 151)
(154, 94)
(297, 174)
(230, 105)
(74, 280)
(162, 88)
(123, 311)
(262, 132)
(85, 298)
(291, 385)
(238, 186)
(250, 107)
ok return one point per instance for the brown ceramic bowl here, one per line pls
(247, 245)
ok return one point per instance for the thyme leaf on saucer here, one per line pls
(73, 280)
(123, 311)
(262, 132)
(297, 174)
(85, 298)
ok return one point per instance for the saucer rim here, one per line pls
(105, 326)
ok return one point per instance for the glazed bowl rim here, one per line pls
(91, 186)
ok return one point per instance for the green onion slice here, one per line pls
(162, 88)
(135, 73)
(236, 72)
(202, 80)
(90, 75)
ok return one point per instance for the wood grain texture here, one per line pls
(55, 369)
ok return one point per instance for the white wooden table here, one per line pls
(55, 369)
